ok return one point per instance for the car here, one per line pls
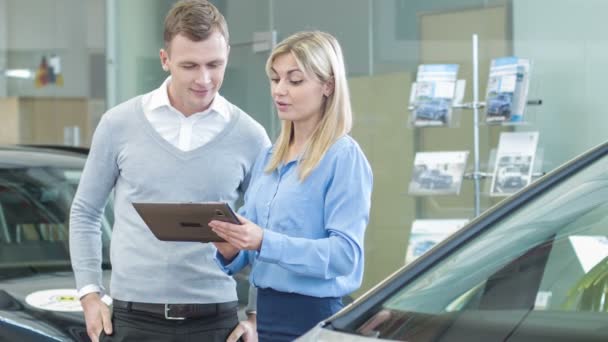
(435, 179)
(38, 301)
(37, 296)
(510, 177)
(434, 110)
(500, 105)
(532, 268)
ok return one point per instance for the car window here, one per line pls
(34, 214)
(540, 272)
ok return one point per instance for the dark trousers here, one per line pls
(138, 326)
(286, 316)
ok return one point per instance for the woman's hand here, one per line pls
(226, 250)
(246, 236)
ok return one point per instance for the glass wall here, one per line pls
(383, 41)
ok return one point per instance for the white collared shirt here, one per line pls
(185, 133)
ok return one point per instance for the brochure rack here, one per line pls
(438, 172)
(433, 94)
(477, 175)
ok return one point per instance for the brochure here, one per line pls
(507, 90)
(427, 233)
(434, 92)
(514, 161)
(438, 172)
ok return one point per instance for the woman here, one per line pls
(310, 191)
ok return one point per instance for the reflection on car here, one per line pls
(435, 179)
(532, 268)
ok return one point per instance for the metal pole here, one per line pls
(370, 37)
(111, 53)
(476, 121)
(3, 49)
(275, 124)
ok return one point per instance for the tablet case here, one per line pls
(185, 221)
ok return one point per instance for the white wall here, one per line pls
(567, 42)
(37, 28)
(96, 25)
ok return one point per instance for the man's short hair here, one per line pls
(195, 19)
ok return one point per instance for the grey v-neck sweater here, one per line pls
(129, 156)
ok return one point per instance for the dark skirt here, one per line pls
(286, 316)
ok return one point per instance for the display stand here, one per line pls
(477, 175)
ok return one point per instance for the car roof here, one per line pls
(12, 156)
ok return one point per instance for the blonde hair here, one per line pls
(318, 54)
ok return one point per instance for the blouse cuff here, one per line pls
(272, 247)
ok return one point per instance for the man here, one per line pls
(182, 142)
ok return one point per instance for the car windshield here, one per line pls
(541, 272)
(34, 213)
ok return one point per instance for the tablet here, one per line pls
(185, 221)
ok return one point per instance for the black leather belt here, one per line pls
(176, 311)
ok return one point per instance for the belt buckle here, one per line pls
(168, 316)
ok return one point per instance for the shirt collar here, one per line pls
(160, 98)
(282, 164)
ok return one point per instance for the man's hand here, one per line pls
(247, 330)
(97, 316)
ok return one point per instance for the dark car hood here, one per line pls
(14, 309)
